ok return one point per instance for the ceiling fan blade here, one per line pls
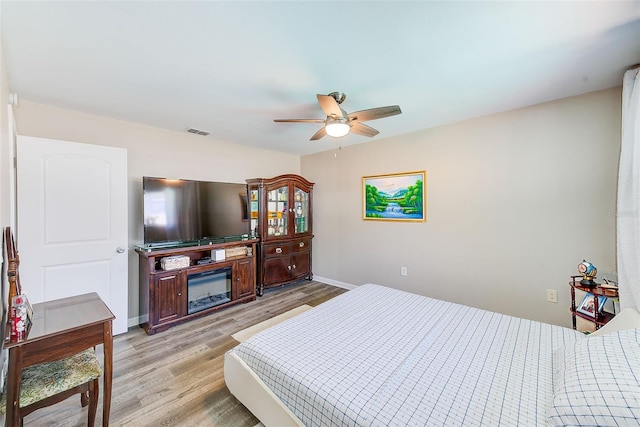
(322, 132)
(299, 120)
(329, 106)
(375, 113)
(362, 129)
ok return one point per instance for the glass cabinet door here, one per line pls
(278, 211)
(253, 211)
(301, 210)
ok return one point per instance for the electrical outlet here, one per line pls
(552, 295)
(403, 271)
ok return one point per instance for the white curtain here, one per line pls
(628, 217)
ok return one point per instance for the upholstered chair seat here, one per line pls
(52, 382)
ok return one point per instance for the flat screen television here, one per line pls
(178, 211)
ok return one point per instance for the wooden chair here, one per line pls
(13, 261)
(48, 383)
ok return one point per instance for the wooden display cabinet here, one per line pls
(165, 298)
(280, 211)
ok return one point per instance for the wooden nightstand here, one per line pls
(601, 317)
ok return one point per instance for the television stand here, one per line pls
(168, 295)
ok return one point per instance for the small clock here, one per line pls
(588, 272)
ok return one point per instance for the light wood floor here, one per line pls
(175, 377)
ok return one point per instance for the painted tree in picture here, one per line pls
(395, 197)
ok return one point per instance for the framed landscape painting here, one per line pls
(394, 197)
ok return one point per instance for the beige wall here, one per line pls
(506, 215)
(515, 201)
(153, 152)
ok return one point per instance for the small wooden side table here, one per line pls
(601, 317)
(61, 328)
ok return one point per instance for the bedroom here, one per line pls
(506, 221)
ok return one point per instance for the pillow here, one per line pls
(597, 381)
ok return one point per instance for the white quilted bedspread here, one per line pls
(376, 356)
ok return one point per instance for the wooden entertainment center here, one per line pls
(164, 292)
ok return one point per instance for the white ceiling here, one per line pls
(230, 68)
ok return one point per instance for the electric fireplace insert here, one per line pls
(208, 289)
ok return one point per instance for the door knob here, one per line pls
(120, 250)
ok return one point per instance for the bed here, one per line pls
(376, 356)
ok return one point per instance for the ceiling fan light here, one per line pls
(337, 128)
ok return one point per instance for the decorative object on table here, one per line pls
(588, 272)
(175, 261)
(609, 284)
(588, 305)
(235, 251)
(20, 317)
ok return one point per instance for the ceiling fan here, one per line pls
(339, 123)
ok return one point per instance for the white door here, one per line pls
(72, 222)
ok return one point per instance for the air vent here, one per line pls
(198, 131)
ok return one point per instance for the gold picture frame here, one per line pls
(587, 306)
(395, 197)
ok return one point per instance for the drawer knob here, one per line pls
(278, 250)
(301, 244)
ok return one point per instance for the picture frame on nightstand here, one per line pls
(587, 306)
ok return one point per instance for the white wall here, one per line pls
(153, 152)
(5, 167)
(514, 202)
(5, 160)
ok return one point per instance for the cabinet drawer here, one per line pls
(277, 250)
(301, 245)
